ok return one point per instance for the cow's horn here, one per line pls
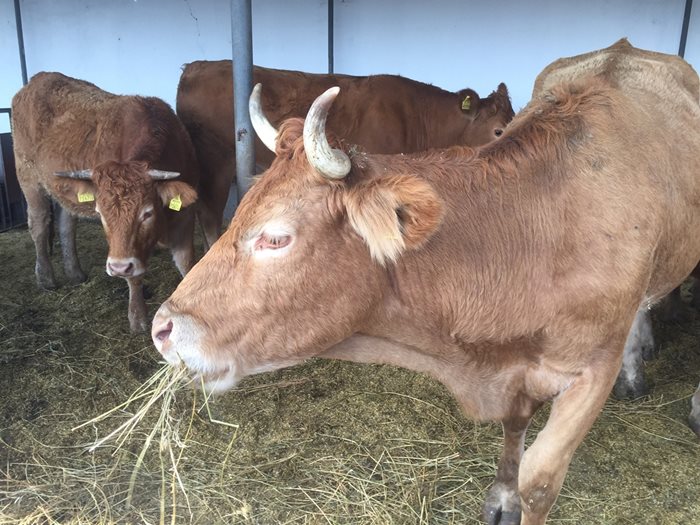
(331, 163)
(163, 175)
(76, 174)
(262, 126)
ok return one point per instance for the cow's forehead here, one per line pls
(125, 184)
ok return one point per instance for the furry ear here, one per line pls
(180, 191)
(81, 191)
(393, 213)
(469, 101)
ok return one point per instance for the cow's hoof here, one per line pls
(624, 389)
(76, 277)
(46, 282)
(694, 422)
(502, 506)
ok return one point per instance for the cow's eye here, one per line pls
(267, 241)
(147, 214)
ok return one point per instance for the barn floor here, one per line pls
(326, 442)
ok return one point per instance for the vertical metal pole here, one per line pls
(20, 42)
(242, 43)
(331, 38)
(684, 30)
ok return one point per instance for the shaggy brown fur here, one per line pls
(64, 124)
(382, 113)
(522, 267)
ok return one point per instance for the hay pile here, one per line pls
(326, 442)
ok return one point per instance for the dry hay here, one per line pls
(322, 443)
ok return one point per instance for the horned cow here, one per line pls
(125, 159)
(512, 273)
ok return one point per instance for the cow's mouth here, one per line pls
(215, 382)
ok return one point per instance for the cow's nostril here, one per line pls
(161, 334)
(129, 269)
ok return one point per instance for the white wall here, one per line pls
(138, 46)
(10, 71)
(479, 44)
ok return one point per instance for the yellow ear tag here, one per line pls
(467, 103)
(175, 203)
(85, 197)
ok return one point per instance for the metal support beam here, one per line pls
(20, 42)
(684, 30)
(331, 37)
(242, 44)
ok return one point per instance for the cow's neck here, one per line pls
(487, 269)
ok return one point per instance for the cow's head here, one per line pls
(485, 118)
(303, 263)
(131, 200)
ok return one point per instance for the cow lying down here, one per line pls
(512, 273)
(125, 159)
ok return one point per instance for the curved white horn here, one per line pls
(163, 175)
(77, 174)
(329, 162)
(262, 126)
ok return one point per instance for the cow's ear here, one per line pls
(81, 191)
(469, 101)
(176, 194)
(393, 213)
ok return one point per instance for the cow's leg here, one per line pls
(694, 419)
(502, 504)
(181, 243)
(71, 265)
(673, 310)
(138, 319)
(39, 220)
(630, 381)
(211, 224)
(545, 462)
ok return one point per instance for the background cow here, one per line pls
(512, 273)
(382, 114)
(99, 154)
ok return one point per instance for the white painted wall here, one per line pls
(138, 46)
(479, 44)
(10, 71)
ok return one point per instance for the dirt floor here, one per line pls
(326, 442)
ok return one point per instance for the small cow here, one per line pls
(381, 113)
(512, 273)
(99, 154)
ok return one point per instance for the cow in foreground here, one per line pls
(512, 273)
(107, 156)
(381, 114)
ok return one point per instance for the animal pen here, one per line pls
(326, 442)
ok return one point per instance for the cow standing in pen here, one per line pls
(512, 273)
(380, 113)
(125, 159)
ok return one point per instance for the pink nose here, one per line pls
(120, 269)
(160, 333)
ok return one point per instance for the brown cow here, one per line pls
(99, 154)
(382, 114)
(512, 273)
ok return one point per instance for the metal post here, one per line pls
(242, 43)
(684, 30)
(20, 42)
(331, 25)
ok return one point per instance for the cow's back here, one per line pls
(630, 68)
(662, 94)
